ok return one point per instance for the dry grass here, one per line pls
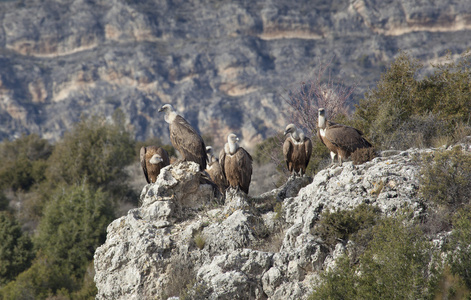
(181, 277)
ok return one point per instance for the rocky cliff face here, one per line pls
(222, 64)
(264, 247)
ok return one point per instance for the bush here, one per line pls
(23, 162)
(43, 280)
(346, 224)
(96, 150)
(446, 178)
(397, 264)
(16, 249)
(460, 246)
(403, 111)
(338, 284)
(73, 226)
(3, 201)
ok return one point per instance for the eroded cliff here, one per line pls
(183, 238)
(222, 64)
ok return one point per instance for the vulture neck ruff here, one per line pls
(321, 123)
(231, 148)
(297, 139)
(170, 116)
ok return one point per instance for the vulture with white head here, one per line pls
(340, 139)
(297, 150)
(236, 164)
(153, 159)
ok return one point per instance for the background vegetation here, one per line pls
(57, 200)
(395, 258)
(411, 106)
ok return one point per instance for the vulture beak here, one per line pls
(161, 109)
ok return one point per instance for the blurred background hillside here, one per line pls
(223, 64)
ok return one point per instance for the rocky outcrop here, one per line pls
(215, 62)
(181, 240)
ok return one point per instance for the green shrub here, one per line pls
(391, 102)
(403, 111)
(345, 224)
(460, 246)
(446, 177)
(73, 226)
(397, 264)
(338, 284)
(23, 162)
(16, 249)
(94, 149)
(4, 202)
(42, 280)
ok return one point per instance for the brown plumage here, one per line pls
(153, 159)
(297, 150)
(215, 171)
(185, 139)
(236, 164)
(340, 139)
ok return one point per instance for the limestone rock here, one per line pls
(181, 240)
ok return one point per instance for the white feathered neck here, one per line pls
(170, 116)
(231, 147)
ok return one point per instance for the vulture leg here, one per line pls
(332, 156)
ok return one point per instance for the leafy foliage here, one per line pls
(403, 111)
(3, 201)
(446, 177)
(460, 245)
(68, 190)
(23, 162)
(41, 281)
(16, 249)
(395, 265)
(73, 225)
(95, 149)
(347, 224)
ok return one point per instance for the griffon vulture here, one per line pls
(184, 137)
(297, 150)
(153, 159)
(340, 139)
(215, 171)
(236, 164)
